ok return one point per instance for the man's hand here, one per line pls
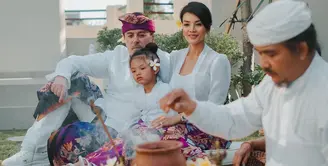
(59, 87)
(165, 121)
(179, 101)
(242, 154)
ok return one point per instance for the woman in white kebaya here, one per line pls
(203, 73)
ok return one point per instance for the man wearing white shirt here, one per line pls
(137, 31)
(290, 104)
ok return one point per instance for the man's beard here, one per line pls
(282, 83)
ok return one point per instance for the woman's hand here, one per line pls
(165, 121)
(59, 87)
(242, 154)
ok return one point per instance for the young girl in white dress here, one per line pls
(145, 65)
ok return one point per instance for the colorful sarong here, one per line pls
(194, 142)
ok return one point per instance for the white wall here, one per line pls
(32, 38)
(79, 46)
(319, 11)
(30, 31)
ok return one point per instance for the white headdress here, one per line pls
(279, 22)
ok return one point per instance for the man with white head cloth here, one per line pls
(291, 103)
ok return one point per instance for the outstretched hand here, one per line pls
(179, 101)
(59, 88)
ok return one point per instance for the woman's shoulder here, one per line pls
(216, 57)
(178, 52)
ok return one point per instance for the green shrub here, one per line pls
(254, 78)
(108, 39)
(221, 43)
(225, 44)
(171, 42)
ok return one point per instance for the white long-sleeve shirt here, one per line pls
(112, 65)
(295, 119)
(148, 103)
(210, 78)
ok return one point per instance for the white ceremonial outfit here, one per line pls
(148, 103)
(294, 118)
(114, 65)
(210, 78)
(118, 106)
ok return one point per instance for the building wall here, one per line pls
(32, 40)
(319, 11)
(77, 35)
(79, 46)
(30, 31)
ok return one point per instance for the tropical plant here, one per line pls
(108, 39)
(222, 43)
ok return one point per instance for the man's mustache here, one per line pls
(268, 71)
(136, 47)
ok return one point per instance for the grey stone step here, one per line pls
(18, 95)
(16, 117)
(16, 139)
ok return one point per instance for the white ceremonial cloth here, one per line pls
(278, 22)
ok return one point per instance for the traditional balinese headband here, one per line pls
(133, 21)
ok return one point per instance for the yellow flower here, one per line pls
(178, 22)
